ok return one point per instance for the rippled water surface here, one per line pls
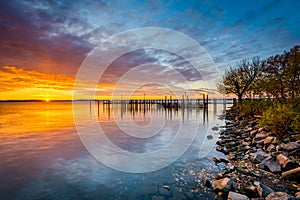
(42, 156)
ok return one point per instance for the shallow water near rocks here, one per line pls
(42, 156)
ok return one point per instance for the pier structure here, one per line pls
(167, 102)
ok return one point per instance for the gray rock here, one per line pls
(214, 128)
(228, 169)
(277, 196)
(261, 165)
(263, 190)
(237, 196)
(273, 166)
(290, 146)
(209, 137)
(259, 156)
(286, 140)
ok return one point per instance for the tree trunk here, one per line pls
(240, 99)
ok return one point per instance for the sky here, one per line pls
(43, 44)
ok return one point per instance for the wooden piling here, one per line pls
(207, 100)
(98, 106)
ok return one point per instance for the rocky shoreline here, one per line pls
(259, 165)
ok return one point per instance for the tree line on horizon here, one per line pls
(275, 77)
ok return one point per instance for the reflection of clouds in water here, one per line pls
(71, 179)
(85, 178)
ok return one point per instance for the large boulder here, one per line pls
(237, 196)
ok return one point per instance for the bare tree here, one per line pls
(239, 80)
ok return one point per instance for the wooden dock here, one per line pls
(166, 102)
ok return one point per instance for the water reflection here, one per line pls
(43, 158)
(136, 130)
(142, 111)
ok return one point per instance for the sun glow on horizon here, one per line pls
(20, 84)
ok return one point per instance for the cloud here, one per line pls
(39, 39)
(16, 78)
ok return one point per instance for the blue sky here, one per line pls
(55, 36)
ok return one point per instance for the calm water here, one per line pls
(42, 156)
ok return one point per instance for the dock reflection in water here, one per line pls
(140, 111)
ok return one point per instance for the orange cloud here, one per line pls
(17, 83)
(20, 84)
(15, 78)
